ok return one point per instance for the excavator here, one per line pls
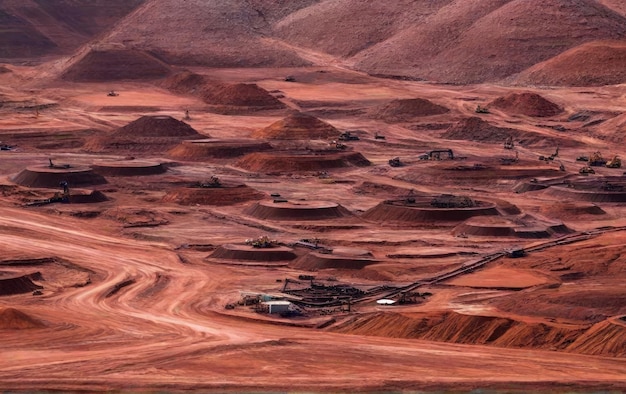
(62, 197)
(508, 144)
(596, 160)
(615, 162)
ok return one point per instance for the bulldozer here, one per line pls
(615, 162)
(395, 162)
(586, 170)
(481, 110)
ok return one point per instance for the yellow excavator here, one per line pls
(615, 162)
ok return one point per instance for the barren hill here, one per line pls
(214, 34)
(32, 28)
(472, 41)
(297, 126)
(360, 24)
(591, 64)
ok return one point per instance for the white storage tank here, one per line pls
(278, 306)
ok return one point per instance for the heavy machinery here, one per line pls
(481, 110)
(508, 144)
(452, 201)
(261, 242)
(395, 162)
(596, 159)
(62, 197)
(378, 136)
(586, 170)
(113, 93)
(347, 136)
(436, 154)
(214, 182)
(615, 162)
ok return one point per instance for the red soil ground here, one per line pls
(213, 196)
(199, 150)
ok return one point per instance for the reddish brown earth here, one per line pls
(529, 104)
(407, 110)
(147, 283)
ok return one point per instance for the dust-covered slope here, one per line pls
(210, 33)
(33, 28)
(344, 28)
(476, 41)
(590, 64)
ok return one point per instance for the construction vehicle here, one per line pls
(378, 136)
(395, 162)
(112, 93)
(596, 160)
(436, 154)
(214, 182)
(582, 158)
(62, 197)
(506, 161)
(508, 144)
(410, 197)
(6, 147)
(586, 170)
(347, 136)
(561, 166)
(261, 242)
(615, 162)
(481, 110)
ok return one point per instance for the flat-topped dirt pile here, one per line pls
(298, 126)
(87, 197)
(115, 64)
(51, 177)
(316, 261)
(247, 95)
(14, 319)
(220, 196)
(422, 210)
(523, 226)
(128, 168)
(407, 110)
(477, 129)
(198, 150)
(591, 64)
(297, 210)
(605, 189)
(250, 253)
(155, 134)
(270, 162)
(529, 104)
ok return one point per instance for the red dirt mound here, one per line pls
(477, 129)
(315, 261)
(571, 211)
(92, 197)
(591, 64)
(298, 126)
(459, 328)
(157, 126)
(250, 253)
(269, 162)
(397, 212)
(213, 196)
(13, 319)
(128, 168)
(112, 65)
(604, 338)
(19, 285)
(199, 150)
(148, 133)
(529, 104)
(407, 110)
(305, 210)
(51, 177)
(243, 95)
(4, 70)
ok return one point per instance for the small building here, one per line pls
(278, 306)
